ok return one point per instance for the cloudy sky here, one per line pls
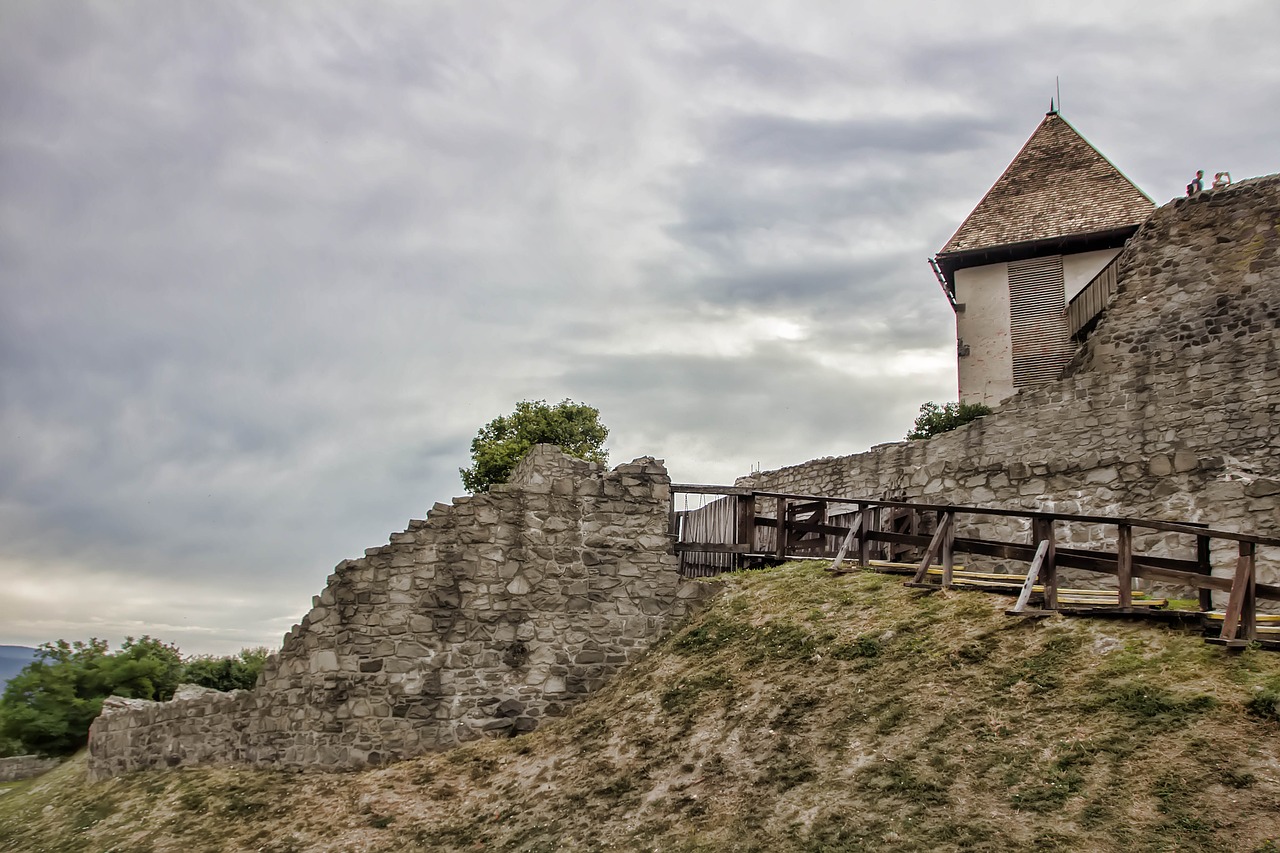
(265, 268)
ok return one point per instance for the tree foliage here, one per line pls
(236, 672)
(500, 444)
(47, 708)
(934, 419)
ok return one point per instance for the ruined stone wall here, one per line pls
(494, 613)
(20, 767)
(1172, 409)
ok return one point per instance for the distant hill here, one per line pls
(12, 660)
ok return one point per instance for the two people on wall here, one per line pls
(1220, 180)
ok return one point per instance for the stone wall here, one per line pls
(25, 767)
(494, 613)
(1171, 410)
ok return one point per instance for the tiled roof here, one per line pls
(1057, 186)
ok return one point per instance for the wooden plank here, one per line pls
(698, 489)
(1070, 558)
(1191, 528)
(899, 538)
(710, 548)
(1032, 574)
(935, 545)
(810, 528)
(1124, 566)
(1241, 584)
(848, 540)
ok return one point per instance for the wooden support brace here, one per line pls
(848, 540)
(1033, 573)
(935, 546)
(1238, 621)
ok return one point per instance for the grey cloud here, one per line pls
(266, 268)
(814, 144)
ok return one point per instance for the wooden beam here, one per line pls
(782, 528)
(1033, 572)
(948, 555)
(746, 520)
(1240, 603)
(710, 548)
(1048, 565)
(1205, 566)
(869, 518)
(935, 546)
(1124, 566)
(848, 540)
(1191, 528)
(698, 489)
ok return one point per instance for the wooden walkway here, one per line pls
(736, 530)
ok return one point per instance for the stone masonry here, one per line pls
(495, 613)
(20, 767)
(1171, 410)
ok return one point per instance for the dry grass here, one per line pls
(801, 712)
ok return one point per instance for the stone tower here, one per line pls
(1042, 237)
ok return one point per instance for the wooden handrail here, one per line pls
(802, 527)
(1086, 305)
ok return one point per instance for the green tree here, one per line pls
(235, 672)
(48, 707)
(934, 419)
(504, 441)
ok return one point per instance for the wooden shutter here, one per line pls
(1038, 333)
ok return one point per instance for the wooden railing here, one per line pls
(1085, 306)
(739, 532)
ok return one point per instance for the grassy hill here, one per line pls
(800, 711)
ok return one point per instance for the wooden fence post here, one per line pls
(1206, 568)
(1124, 566)
(948, 552)
(1043, 528)
(870, 522)
(782, 529)
(746, 534)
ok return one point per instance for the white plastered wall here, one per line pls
(986, 373)
(1079, 270)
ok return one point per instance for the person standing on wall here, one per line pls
(1197, 184)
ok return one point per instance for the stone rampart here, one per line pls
(1171, 410)
(494, 613)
